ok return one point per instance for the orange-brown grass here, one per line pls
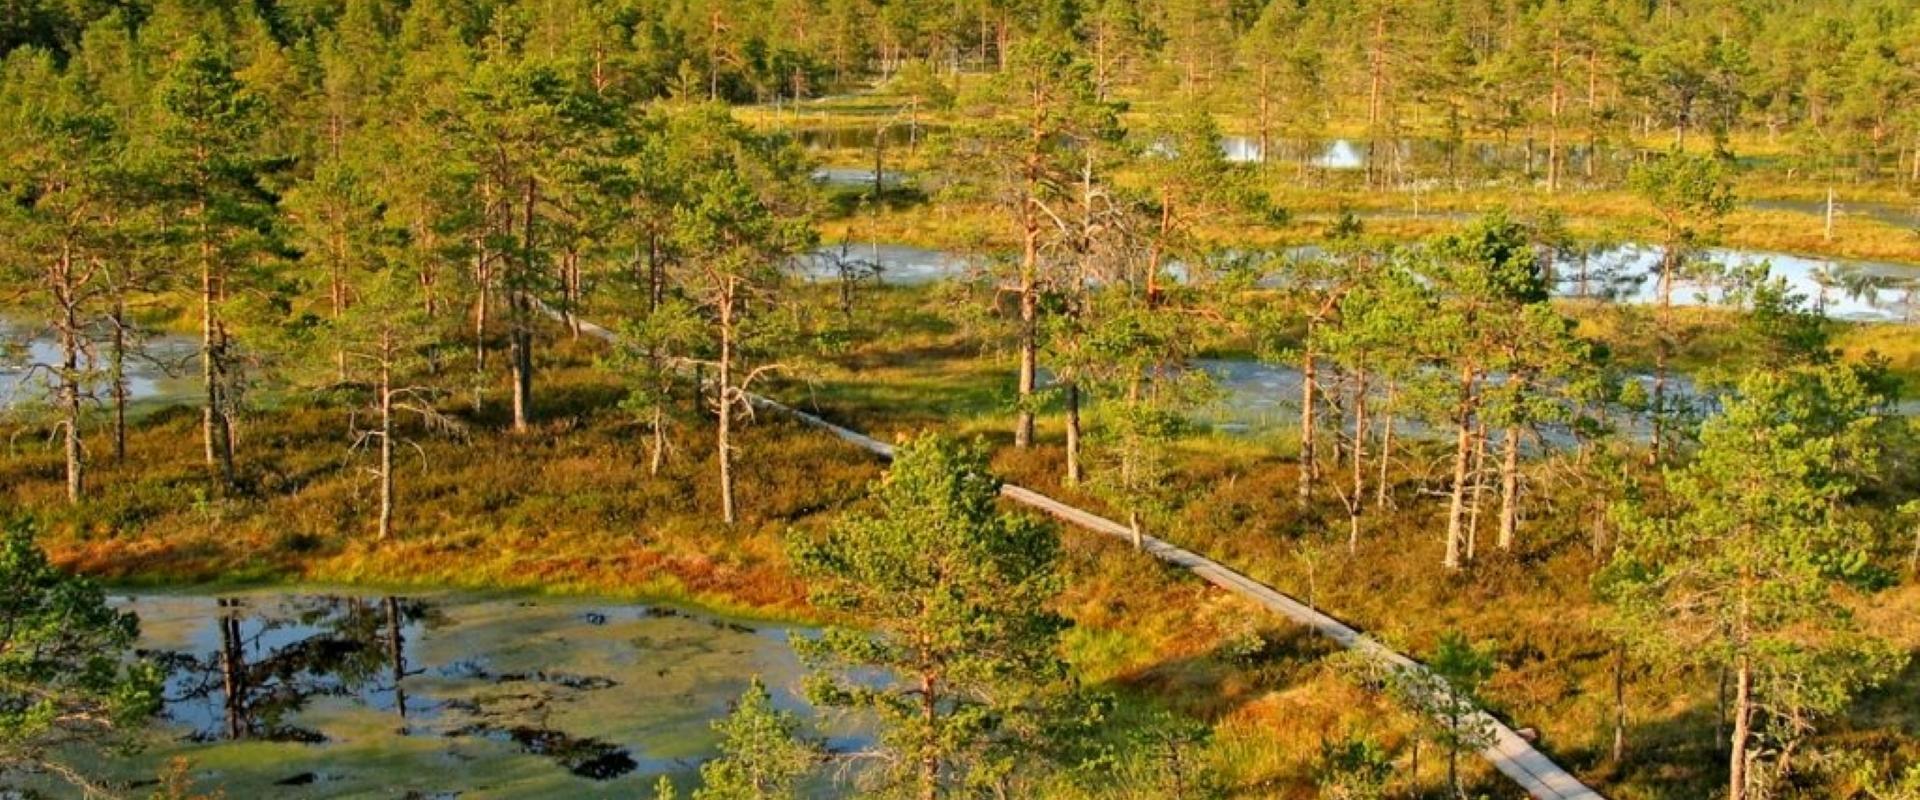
(569, 507)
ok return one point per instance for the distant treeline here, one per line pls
(1833, 82)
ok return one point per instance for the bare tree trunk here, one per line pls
(656, 274)
(1074, 474)
(64, 292)
(1134, 527)
(482, 279)
(1029, 329)
(1742, 721)
(930, 757)
(117, 367)
(1913, 178)
(1359, 460)
(480, 302)
(1510, 488)
(213, 422)
(1453, 762)
(386, 435)
(1913, 559)
(1462, 458)
(521, 342)
(1619, 703)
(1553, 112)
(520, 358)
(1265, 111)
(1662, 340)
(573, 297)
(1376, 77)
(1309, 467)
(725, 403)
(1386, 448)
(658, 454)
(879, 163)
(1593, 113)
(337, 294)
(1479, 490)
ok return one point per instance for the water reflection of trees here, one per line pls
(273, 660)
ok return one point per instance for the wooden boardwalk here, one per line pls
(1508, 752)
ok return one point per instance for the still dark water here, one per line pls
(349, 695)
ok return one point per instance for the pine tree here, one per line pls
(762, 753)
(1026, 163)
(71, 687)
(209, 124)
(1690, 196)
(951, 596)
(1748, 573)
(734, 234)
(63, 201)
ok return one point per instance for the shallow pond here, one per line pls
(898, 135)
(894, 264)
(856, 176)
(163, 370)
(347, 695)
(1466, 157)
(1622, 273)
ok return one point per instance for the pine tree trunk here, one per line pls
(521, 360)
(70, 379)
(1742, 721)
(1510, 488)
(571, 290)
(1029, 328)
(1619, 703)
(118, 377)
(879, 164)
(1913, 559)
(724, 395)
(1479, 490)
(1593, 113)
(1668, 261)
(1074, 474)
(1913, 177)
(1359, 460)
(1462, 457)
(930, 757)
(522, 339)
(1453, 764)
(482, 279)
(1308, 466)
(656, 274)
(1386, 448)
(386, 437)
(337, 297)
(213, 422)
(1265, 112)
(1376, 78)
(1553, 132)
(658, 453)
